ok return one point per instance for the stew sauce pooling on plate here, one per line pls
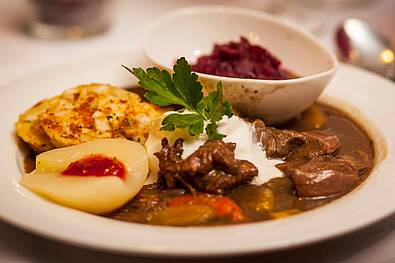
(347, 152)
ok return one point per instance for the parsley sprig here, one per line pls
(183, 89)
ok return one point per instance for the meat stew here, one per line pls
(326, 154)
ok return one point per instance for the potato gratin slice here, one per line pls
(86, 113)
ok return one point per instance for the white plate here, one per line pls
(371, 99)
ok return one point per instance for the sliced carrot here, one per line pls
(181, 200)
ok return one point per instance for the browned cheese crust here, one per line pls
(90, 112)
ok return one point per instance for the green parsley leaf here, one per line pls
(213, 107)
(192, 121)
(212, 133)
(186, 82)
(160, 86)
(183, 89)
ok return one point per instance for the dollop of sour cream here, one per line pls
(236, 130)
(240, 132)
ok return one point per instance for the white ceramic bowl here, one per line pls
(193, 31)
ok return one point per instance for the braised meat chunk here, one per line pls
(170, 162)
(277, 143)
(317, 143)
(212, 168)
(324, 176)
(310, 160)
(293, 145)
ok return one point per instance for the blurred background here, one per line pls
(35, 34)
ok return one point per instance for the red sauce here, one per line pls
(96, 165)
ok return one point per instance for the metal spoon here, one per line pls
(361, 45)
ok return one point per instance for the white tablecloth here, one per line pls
(21, 55)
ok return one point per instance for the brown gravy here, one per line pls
(274, 199)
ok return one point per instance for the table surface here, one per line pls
(21, 55)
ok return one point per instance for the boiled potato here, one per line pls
(92, 194)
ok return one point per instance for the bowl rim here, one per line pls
(234, 10)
